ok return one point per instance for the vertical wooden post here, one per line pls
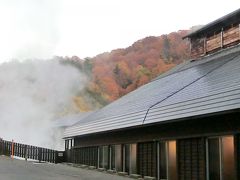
(205, 45)
(39, 154)
(98, 158)
(158, 159)
(236, 154)
(12, 149)
(190, 47)
(56, 157)
(222, 38)
(110, 157)
(1, 146)
(239, 32)
(25, 152)
(124, 157)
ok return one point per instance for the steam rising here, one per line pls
(32, 94)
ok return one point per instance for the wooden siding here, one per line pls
(213, 42)
(147, 159)
(231, 35)
(222, 38)
(87, 156)
(191, 159)
(197, 47)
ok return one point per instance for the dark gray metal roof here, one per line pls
(70, 120)
(224, 21)
(209, 85)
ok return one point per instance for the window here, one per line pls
(167, 160)
(162, 160)
(214, 159)
(220, 155)
(133, 159)
(112, 158)
(228, 157)
(130, 159)
(118, 157)
(127, 158)
(103, 157)
(66, 144)
(147, 159)
(69, 143)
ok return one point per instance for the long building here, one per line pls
(183, 125)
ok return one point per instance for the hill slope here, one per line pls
(113, 74)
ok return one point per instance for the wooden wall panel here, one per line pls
(191, 159)
(231, 35)
(86, 155)
(213, 42)
(147, 159)
(197, 47)
(224, 38)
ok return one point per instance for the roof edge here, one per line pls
(213, 23)
(158, 123)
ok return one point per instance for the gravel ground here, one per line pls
(22, 170)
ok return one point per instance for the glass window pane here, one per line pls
(70, 144)
(113, 157)
(118, 157)
(172, 160)
(127, 157)
(105, 157)
(162, 160)
(133, 157)
(101, 156)
(214, 159)
(228, 157)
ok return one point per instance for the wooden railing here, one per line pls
(9, 148)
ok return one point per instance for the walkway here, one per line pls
(22, 170)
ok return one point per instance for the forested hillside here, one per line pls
(113, 74)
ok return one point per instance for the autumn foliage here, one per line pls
(113, 74)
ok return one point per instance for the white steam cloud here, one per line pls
(29, 29)
(32, 94)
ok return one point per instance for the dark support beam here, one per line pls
(222, 38)
(236, 154)
(205, 45)
(239, 30)
(191, 45)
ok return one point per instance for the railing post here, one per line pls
(56, 157)
(12, 149)
(25, 152)
(1, 146)
(39, 154)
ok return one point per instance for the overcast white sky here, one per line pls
(43, 28)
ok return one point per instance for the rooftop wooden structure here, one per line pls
(216, 35)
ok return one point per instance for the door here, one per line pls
(147, 159)
(220, 156)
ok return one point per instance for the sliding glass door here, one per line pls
(104, 157)
(167, 160)
(129, 158)
(220, 158)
